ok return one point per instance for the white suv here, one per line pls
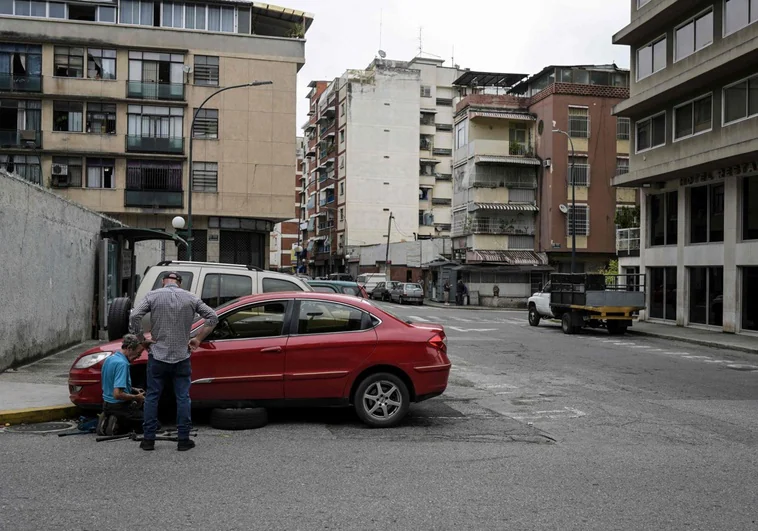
(215, 283)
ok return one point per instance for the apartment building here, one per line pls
(380, 143)
(285, 236)
(97, 101)
(693, 107)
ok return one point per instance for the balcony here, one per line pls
(152, 144)
(10, 138)
(499, 226)
(442, 152)
(628, 242)
(154, 198)
(154, 186)
(326, 200)
(155, 91)
(20, 83)
(622, 169)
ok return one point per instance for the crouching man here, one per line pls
(122, 404)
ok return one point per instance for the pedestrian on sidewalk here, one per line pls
(460, 291)
(172, 312)
(120, 399)
(446, 290)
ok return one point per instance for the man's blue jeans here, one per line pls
(158, 373)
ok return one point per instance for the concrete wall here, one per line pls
(47, 286)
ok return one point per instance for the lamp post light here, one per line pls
(573, 197)
(189, 163)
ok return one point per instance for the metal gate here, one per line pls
(242, 247)
(199, 246)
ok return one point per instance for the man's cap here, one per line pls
(133, 341)
(174, 275)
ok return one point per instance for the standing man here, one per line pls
(120, 399)
(172, 312)
(460, 289)
(446, 290)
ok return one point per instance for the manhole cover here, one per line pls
(741, 367)
(42, 427)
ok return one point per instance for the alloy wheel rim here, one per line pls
(382, 400)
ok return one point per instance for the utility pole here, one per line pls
(571, 180)
(387, 254)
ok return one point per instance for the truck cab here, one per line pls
(539, 305)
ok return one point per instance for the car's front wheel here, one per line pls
(534, 316)
(382, 400)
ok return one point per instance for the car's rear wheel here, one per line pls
(534, 316)
(382, 400)
(118, 318)
(566, 325)
(238, 418)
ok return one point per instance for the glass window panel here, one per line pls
(644, 62)
(683, 121)
(214, 18)
(735, 102)
(750, 208)
(38, 9)
(243, 20)
(146, 13)
(200, 17)
(704, 30)
(178, 15)
(168, 14)
(752, 96)
(753, 10)
(643, 135)
(749, 300)
(715, 296)
(6, 7)
(657, 220)
(219, 289)
(685, 40)
(189, 16)
(318, 317)
(737, 15)
(702, 114)
(23, 7)
(659, 55)
(657, 292)
(699, 214)
(227, 19)
(698, 295)
(670, 294)
(106, 14)
(672, 205)
(716, 213)
(252, 323)
(659, 130)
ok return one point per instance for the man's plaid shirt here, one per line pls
(172, 312)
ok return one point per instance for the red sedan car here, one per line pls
(306, 349)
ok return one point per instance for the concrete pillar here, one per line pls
(731, 227)
(682, 290)
(643, 250)
(213, 249)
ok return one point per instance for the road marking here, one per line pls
(417, 318)
(638, 346)
(566, 412)
(461, 319)
(516, 321)
(472, 329)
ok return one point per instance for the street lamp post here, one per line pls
(189, 164)
(573, 198)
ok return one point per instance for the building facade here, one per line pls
(285, 237)
(97, 101)
(693, 107)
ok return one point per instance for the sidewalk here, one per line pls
(697, 336)
(435, 304)
(38, 392)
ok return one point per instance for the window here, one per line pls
(57, 10)
(738, 14)
(136, 12)
(206, 124)
(342, 109)
(106, 14)
(68, 116)
(342, 214)
(622, 128)
(342, 189)
(460, 135)
(206, 70)
(173, 15)
(219, 289)
(25, 166)
(205, 176)
(749, 301)
(582, 220)
(651, 58)
(651, 132)
(706, 295)
(101, 64)
(71, 167)
(221, 19)
(264, 320)
(750, 208)
(82, 12)
(641, 3)
(187, 277)
(100, 173)
(271, 285)
(579, 122)
(319, 317)
(622, 166)
(741, 100)
(69, 62)
(663, 218)
(693, 35)
(662, 292)
(426, 91)
(194, 16)
(580, 171)
(38, 9)
(243, 20)
(707, 213)
(101, 118)
(342, 136)
(693, 118)
(149, 121)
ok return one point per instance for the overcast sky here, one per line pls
(493, 35)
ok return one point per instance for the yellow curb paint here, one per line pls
(36, 414)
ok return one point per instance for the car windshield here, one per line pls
(412, 287)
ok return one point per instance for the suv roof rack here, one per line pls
(216, 264)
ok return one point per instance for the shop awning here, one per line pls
(513, 207)
(495, 159)
(429, 111)
(504, 115)
(511, 258)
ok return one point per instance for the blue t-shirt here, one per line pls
(115, 374)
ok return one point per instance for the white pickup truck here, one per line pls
(539, 306)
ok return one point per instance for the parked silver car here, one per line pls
(382, 290)
(407, 292)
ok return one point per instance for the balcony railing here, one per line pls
(499, 226)
(326, 200)
(442, 152)
(622, 170)
(153, 198)
(444, 127)
(154, 91)
(152, 144)
(443, 176)
(154, 186)
(19, 138)
(581, 175)
(20, 83)
(627, 240)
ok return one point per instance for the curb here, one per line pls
(694, 341)
(36, 414)
(472, 308)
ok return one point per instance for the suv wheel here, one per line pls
(381, 400)
(118, 318)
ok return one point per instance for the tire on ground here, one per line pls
(360, 407)
(118, 318)
(534, 316)
(566, 324)
(239, 418)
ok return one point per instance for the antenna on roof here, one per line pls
(420, 40)
(452, 57)
(380, 28)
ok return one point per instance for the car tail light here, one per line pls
(439, 341)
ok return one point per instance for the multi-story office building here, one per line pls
(286, 235)
(97, 100)
(380, 143)
(694, 112)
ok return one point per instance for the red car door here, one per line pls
(243, 358)
(332, 340)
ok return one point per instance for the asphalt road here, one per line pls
(538, 430)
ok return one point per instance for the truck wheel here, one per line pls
(118, 318)
(534, 317)
(616, 328)
(566, 325)
(238, 418)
